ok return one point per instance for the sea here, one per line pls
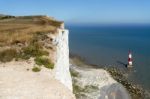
(109, 45)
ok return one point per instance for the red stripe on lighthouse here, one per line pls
(130, 59)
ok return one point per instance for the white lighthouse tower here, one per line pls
(130, 64)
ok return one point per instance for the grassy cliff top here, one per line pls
(25, 23)
(22, 28)
(23, 37)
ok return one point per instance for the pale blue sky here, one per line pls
(82, 11)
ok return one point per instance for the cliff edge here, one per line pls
(34, 58)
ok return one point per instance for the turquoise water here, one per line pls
(109, 46)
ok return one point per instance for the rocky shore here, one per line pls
(94, 83)
(135, 91)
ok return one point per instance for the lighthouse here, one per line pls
(130, 64)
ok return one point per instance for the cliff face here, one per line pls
(62, 72)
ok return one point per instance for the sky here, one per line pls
(82, 11)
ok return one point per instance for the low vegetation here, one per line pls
(2, 17)
(7, 55)
(36, 69)
(45, 62)
(33, 51)
(74, 73)
(81, 93)
(23, 37)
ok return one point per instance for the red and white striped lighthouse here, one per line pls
(130, 59)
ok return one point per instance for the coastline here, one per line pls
(134, 91)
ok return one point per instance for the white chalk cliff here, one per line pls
(62, 58)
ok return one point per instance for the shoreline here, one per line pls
(134, 90)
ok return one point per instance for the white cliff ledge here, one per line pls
(18, 81)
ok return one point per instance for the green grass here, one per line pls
(34, 49)
(74, 73)
(45, 62)
(87, 89)
(81, 92)
(77, 89)
(36, 69)
(6, 17)
(8, 55)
